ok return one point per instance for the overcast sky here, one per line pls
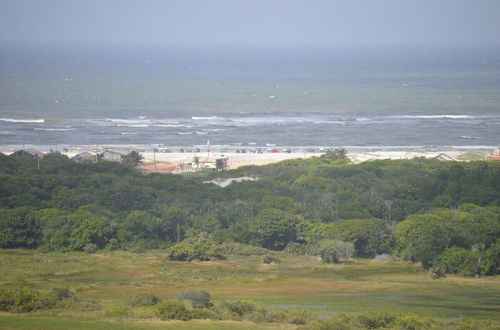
(251, 22)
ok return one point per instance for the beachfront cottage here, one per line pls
(113, 155)
(21, 154)
(84, 157)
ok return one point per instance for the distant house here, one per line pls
(445, 158)
(84, 156)
(21, 154)
(113, 155)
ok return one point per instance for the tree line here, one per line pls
(436, 213)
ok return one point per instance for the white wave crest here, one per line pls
(205, 118)
(438, 117)
(12, 120)
(469, 137)
(133, 125)
(129, 121)
(172, 125)
(53, 129)
(329, 122)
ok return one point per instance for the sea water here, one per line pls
(89, 95)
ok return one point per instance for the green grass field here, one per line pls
(297, 282)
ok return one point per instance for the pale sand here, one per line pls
(168, 162)
(236, 160)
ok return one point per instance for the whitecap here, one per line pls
(133, 125)
(128, 121)
(172, 125)
(12, 120)
(53, 129)
(469, 137)
(214, 130)
(329, 122)
(205, 118)
(438, 117)
(363, 119)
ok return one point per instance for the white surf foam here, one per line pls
(438, 117)
(12, 120)
(53, 129)
(205, 118)
(133, 125)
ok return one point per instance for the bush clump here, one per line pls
(197, 298)
(375, 320)
(271, 260)
(173, 310)
(143, 299)
(23, 301)
(238, 249)
(63, 295)
(459, 261)
(199, 247)
(332, 251)
(241, 308)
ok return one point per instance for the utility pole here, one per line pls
(154, 156)
(38, 159)
(208, 149)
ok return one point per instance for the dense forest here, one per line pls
(445, 215)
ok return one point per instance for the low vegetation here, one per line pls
(310, 226)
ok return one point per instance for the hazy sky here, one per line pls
(251, 22)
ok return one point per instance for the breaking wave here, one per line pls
(12, 120)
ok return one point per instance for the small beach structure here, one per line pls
(113, 155)
(84, 157)
(21, 154)
(221, 163)
(444, 158)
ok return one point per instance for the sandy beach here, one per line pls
(178, 162)
(168, 162)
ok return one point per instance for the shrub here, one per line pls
(63, 295)
(410, 321)
(294, 248)
(332, 251)
(241, 307)
(459, 261)
(375, 320)
(492, 259)
(22, 301)
(113, 245)
(173, 310)
(90, 248)
(198, 299)
(199, 247)
(143, 299)
(299, 317)
(237, 249)
(339, 322)
(271, 259)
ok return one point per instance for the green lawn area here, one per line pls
(297, 282)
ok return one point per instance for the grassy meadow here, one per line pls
(298, 282)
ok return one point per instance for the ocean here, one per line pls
(57, 96)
